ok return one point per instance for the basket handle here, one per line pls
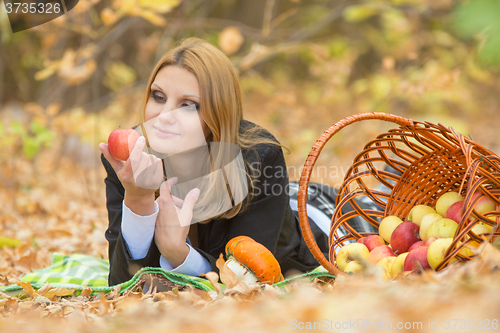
(306, 175)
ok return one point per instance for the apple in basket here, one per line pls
(446, 200)
(251, 261)
(455, 211)
(417, 245)
(353, 267)
(387, 226)
(403, 236)
(384, 267)
(121, 142)
(484, 205)
(398, 265)
(427, 220)
(351, 252)
(437, 251)
(444, 228)
(371, 241)
(379, 253)
(416, 258)
(418, 212)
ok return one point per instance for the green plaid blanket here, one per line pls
(79, 271)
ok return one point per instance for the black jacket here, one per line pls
(268, 220)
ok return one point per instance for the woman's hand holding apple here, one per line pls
(141, 174)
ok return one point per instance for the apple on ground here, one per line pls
(351, 252)
(426, 222)
(417, 245)
(371, 241)
(418, 255)
(418, 212)
(403, 236)
(385, 266)
(444, 228)
(398, 265)
(446, 200)
(387, 226)
(353, 267)
(437, 251)
(121, 142)
(379, 253)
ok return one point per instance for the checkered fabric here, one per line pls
(79, 271)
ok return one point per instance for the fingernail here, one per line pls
(195, 193)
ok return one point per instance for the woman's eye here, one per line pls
(190, 104)
(157, 97)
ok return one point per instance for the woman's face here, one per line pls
(173, 120)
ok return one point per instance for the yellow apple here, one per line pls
(482, 228)
(437, 250)
(418, 212)
(427, 220)
(386, 265)
(444, 228)
(353, 267)
(387, 226)
(351, 252)
(446, 200)
(398, 264)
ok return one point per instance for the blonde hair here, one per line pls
(220, 107)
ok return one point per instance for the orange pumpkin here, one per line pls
(256, 258)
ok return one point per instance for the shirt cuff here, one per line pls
(194, 264)
(138, 231)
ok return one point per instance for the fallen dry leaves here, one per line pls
(54, 213)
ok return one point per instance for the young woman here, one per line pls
(193, 95)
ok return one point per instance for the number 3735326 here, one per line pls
(471, 324)
(32, 8)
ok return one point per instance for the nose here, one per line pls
(166, 115)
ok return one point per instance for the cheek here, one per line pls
(150, 111)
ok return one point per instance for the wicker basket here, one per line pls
(433, 159)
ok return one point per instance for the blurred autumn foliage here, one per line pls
(65, 85)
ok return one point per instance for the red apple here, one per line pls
(404, 236)
(416, 245)
(371, 241)
(121, 142)
(430, 240)
(418, 255)
(446, 200)
(455, 212)
(379, 253)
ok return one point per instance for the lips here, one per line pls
(164, 133)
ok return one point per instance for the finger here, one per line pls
(136, 155)
(172, 181)
(188, 206)
(116, 164)
(177, 201)
(158, 173)
(138, 147)
(165, 190)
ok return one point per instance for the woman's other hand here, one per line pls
(172, 224)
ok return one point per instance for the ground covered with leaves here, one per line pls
(52, 212)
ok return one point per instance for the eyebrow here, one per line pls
(156, 85)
